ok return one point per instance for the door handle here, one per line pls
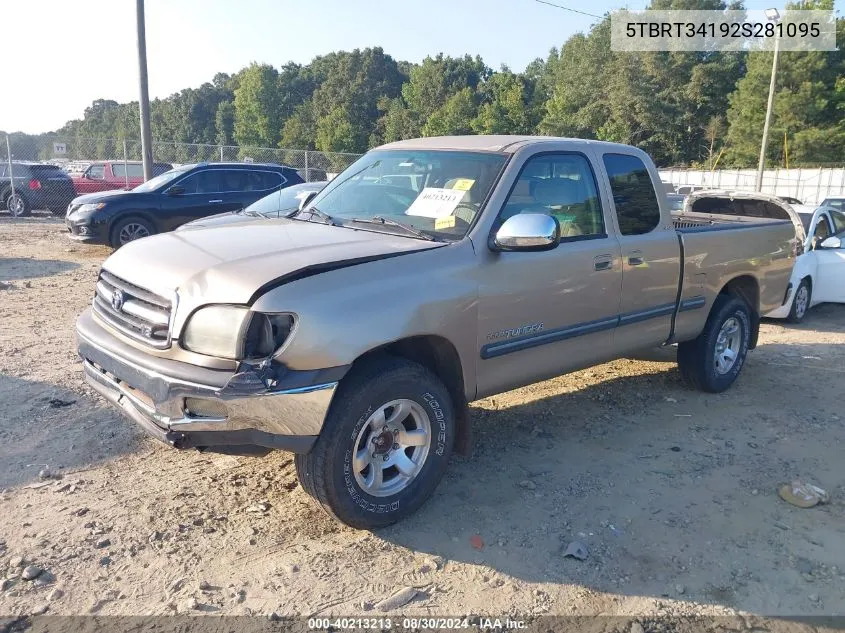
(635, 258)
(215, 200)
(603, 262)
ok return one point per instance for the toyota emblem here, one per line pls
(117, 299)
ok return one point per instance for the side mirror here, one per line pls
(305, 199)
(175, 190)
(527, 232)
(832, 242)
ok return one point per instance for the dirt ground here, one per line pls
(672, 491)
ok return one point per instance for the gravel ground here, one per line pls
(672, 491)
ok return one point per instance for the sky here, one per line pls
(74, 52)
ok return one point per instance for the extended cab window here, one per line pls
(135, 171)
(633, 194)
(562, 186)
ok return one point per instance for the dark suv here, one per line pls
(36, 186)
(171, 199)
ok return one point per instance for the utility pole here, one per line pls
(144, 100)
(774, 16)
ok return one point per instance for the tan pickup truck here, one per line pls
(430, 273)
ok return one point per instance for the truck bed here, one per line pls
(687, 222)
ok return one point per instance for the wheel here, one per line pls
(130, 229)
(18, 205)
(713, 361)
(384, 446)
(801, 302)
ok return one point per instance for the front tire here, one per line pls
(800, 302)
(129, 230)
(712, 361)
(384, 446)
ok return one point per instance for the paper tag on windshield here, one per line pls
(436, 203)
(444, 223)
(463, 184)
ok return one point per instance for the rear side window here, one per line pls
(260, 180)
(633, 194)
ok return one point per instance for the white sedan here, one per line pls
(819, 273)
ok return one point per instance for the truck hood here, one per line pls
(231, 264)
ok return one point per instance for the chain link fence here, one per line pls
(26, 182)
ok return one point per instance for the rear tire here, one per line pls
(800, 302)
(387, 411)
(17, 205)
(713, 361)
(130, 229)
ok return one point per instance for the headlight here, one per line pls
(91, 206)
(236, 332)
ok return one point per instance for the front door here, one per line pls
(542, 314)
(650, 255)
(195, 196)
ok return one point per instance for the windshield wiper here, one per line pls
(377, 219)
(315, 212)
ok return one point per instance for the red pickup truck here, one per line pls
(114, 174)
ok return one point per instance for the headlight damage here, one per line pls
(236, 332)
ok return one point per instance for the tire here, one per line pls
(17, 205)
(800, 302)
(124, 229)
(338, 481)
(697, 358)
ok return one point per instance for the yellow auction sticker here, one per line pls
(463, 184)
(444, 223)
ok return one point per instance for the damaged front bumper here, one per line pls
(196, 407)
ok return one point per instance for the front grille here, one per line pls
(136, 312)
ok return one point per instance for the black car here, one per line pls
(278, 204)
(36, 186)
(173, 198)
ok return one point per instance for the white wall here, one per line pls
(810, 186)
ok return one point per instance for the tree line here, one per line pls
(701, 109)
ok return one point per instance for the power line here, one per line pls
(557, 6)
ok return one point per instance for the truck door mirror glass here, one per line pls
(175, 190)
(305, 199)
(832, 242)
(527, 232)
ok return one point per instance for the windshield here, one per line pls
(154, 183)
(438, 192)
(282, 202)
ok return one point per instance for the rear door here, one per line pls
(650, 254)
(830, 265)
